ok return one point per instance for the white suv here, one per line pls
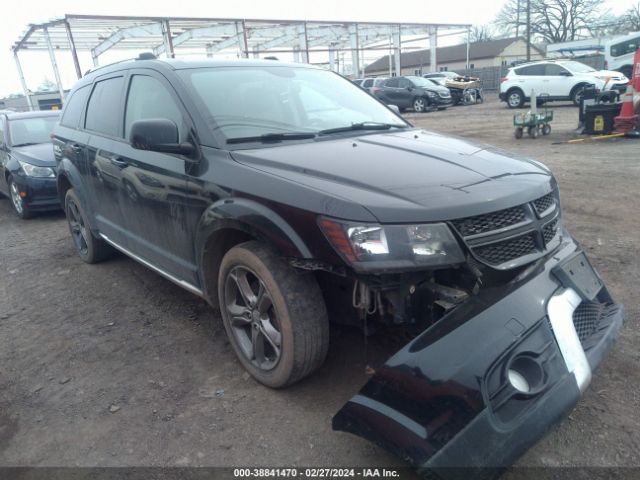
(555, 80)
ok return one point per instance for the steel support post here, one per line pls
(22, 80)
(54, 64)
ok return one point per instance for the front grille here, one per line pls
(510, 237)
(586, 319)
(490, 221)
(549, 231)
(544, 203)
(507, 250)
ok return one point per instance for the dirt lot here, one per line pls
(111, 365)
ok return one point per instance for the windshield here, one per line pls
(25, 131)
(260, 100)
(577, 67)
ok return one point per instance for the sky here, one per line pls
(36, 66)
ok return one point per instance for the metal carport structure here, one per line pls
(171, 36)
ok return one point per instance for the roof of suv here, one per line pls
(36, 114)
(175, 64)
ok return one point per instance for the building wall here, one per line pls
(516, 51)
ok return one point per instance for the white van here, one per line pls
(619, 52)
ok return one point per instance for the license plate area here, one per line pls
(577, 273)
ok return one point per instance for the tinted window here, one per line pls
(73, 107)
(368, 82)
(530, 70)
(393, 82)
(404, 83)
(103, 111)
(553, 70)
(149, 98)
(623, 48)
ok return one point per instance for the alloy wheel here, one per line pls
(78, 228)
(514, 100)
(253, 319)
(419, 105)
(16, 199)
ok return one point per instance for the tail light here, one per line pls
(606, 65)
(375, 90)
(503, 79)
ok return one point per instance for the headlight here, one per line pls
(431, 94)
(393, 247)
(35, 171)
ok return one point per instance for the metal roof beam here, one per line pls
(129, 32)
(200, 32)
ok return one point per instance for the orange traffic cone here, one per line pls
(627, 120)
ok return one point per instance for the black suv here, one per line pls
(417, 93)
(288, 196)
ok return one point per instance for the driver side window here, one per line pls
(148, 98)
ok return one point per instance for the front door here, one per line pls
(154, 184)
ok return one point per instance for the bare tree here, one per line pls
(552, 21)
(629, 21)
(481, 33)
(631, 18)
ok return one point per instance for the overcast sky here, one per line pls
(19, 13)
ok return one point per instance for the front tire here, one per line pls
(576, 95)
(89, 248)
(274, 315)
(19, 206)
(420, 104)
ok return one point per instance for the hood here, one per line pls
(436, 88)
(40, 154)
(616, 76)
(408, 176)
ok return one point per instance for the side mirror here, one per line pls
(158, 135)
(394, 108)
(409, 89)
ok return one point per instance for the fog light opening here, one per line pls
(518, 382)
(525, 374)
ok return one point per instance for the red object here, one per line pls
(627, 119)
(503, 79)
(635, 77)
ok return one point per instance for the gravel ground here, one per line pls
(111, 365)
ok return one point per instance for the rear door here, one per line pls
(531, 77)
(103, 123)
(389, 91)
(154, 185)
(405, 92)
(4, 157)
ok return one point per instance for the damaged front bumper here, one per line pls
(473, 392)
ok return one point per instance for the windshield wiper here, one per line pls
(26, 144)
(362, 126)
(273, 137)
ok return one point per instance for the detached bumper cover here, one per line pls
(446, 403)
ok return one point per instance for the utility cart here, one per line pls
(534, 122)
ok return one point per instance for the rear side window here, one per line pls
(624, 48)
(530, 70)
(103, 111)
(149, 98)
(392, 82)
(73, 107)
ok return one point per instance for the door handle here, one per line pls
(117, 162)
(76, 148)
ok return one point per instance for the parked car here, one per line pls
(297, 197)
(417, 93)
(372, 85)
(441, 77)
(27, 164)
(555, 80)
(358, 81)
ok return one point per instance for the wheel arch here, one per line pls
(576, 87)
(228, 223)
(69, 177)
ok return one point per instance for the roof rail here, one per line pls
(142, 56)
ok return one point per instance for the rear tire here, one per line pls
(274, 315)
(519, 132)
(576, 94)
(89, 248)
(515, 98)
